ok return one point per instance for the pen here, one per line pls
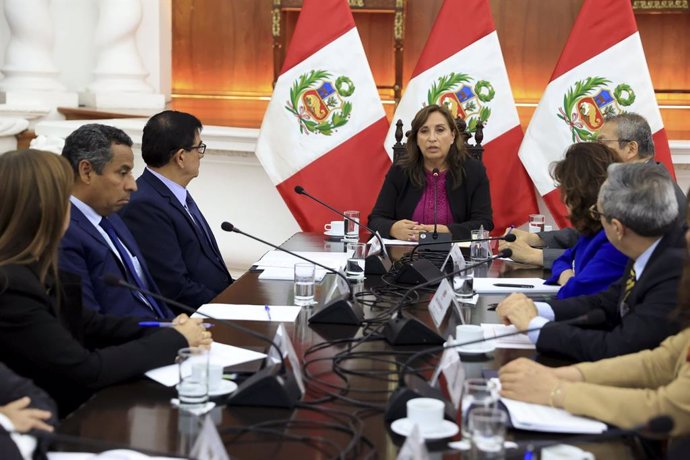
(508, 285)
(167, 324)
(268, 312)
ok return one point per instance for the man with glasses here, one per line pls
(97, 242)
(630, 136)
(638, 209)
(175, 237)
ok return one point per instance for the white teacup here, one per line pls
(468, 333)
(215, 376)
(427, 413)
(336, 227)
(565, 452)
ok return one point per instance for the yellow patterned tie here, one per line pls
(629, 285)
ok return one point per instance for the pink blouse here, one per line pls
(424, 212)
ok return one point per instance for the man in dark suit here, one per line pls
(630, 136)
(97, 242)
(176, 239)
(638, 210)
(23, 408)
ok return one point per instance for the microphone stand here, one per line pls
(417, 387)
(268, 387)
(339, 311)
(410, 331)
(374, 265)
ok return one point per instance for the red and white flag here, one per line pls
(462, 67)
(325, 124)
(602, 70)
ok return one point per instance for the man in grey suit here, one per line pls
(630, 136)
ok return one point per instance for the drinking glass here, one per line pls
(476, 393)
(356, 262)
(192, 390)
(351, 228)
(488, 431)
(305, 280)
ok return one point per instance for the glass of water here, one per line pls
(305, 279)
(192, 390)
(479, 250)
(352, 228)
(488, 428)
(356, 263)
(476, 394)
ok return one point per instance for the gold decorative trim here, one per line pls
(399, 25)
(356, 3)
(275, 23)
(399, 4)
(661, 5)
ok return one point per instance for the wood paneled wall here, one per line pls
(224, 48)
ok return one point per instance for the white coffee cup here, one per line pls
(427, 413)
(215, 376)
(565, 452)
(336, 227)
(467, 333)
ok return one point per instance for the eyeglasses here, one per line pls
(201, 148)
(594, 213)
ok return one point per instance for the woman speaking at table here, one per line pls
(436, 158)
(45, 334)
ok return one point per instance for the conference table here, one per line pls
(139, 415)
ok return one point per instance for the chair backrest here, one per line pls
(475, 150)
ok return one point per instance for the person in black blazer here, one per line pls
(638, 210)
(404, 207)
(175, 237)
(45, 332)
(27, 408)
(97, 242)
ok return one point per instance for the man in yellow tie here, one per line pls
(638, 210)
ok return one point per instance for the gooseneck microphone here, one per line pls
(400, 330)
(373, 265)
(339, 311)
(415, 386)
(435, 173)
(283, 392)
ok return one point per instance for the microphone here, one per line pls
(410, 331)
(657, 427)
(435, 173)
(339, 311)
(266, 387)
(373, 265)
(423, 270)
(418, 387)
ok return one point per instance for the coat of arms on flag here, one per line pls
(319, 102)
(589, 101)
(463, 98)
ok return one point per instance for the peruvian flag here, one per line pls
(325, 124)
(602, 70)
(462, 67)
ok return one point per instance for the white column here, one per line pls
(31, 77)
(119, 74)
(9, 128)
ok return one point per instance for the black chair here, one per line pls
(476, 151)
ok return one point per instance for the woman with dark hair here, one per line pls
(436, 158)
(656, 380)
(45, 333)
(593, 263)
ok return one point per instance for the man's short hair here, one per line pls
(165, 133)
(641, 196)
(93, 142)
(633, 127)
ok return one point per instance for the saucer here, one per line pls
(446, 429)
(224, 387)
(480, 349)
(333, 235)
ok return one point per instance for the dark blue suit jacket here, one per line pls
(84, 251)
(183, 262)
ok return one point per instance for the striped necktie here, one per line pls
(629, 285)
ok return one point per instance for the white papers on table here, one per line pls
(287, 274)
(520, 341)
(525, 285)
(334, 260)
(278, 313)
(221, 354)
(394, 242)
(535, 417)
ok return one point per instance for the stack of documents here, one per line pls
(535, 417)
(520, 341)
(278, 313)
(280, 259)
